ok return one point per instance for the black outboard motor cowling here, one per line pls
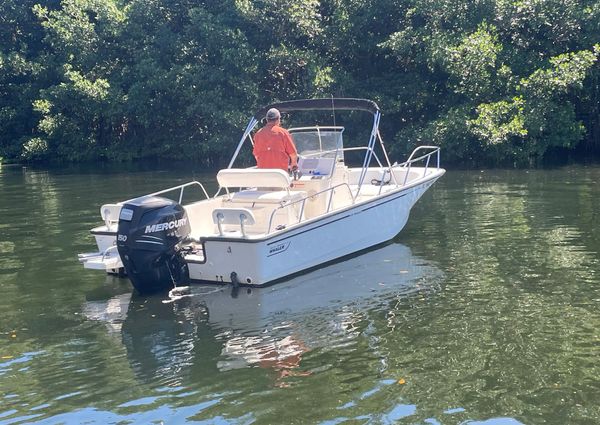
(150, 231)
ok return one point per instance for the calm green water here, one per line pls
(484, 310)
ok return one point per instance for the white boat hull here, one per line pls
(335, 235)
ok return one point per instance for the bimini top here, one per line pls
(320, 104)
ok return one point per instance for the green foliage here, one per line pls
(568, 70)
(449, 131)
(499, 122)
(550, 112)
(541, 115)
(472, 64)
(491, 81)
(35, 149)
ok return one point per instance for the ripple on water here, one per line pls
(10, 262)
(9, 363)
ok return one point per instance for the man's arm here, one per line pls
(290, 149)
(254, 148)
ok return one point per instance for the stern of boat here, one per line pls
(106, 257)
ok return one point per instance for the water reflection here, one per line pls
(271, 328)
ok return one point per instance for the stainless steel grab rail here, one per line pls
(181, 189)
(303, 201)
(411, 160)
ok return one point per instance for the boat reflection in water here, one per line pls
(215, 328)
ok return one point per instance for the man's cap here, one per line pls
(273, 114)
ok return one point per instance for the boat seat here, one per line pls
(253, 177)
(241, 217)
(233, 216)
(253, 196)
(110, 212)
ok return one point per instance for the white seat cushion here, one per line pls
(253, 177)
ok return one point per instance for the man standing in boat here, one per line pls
(273, 145)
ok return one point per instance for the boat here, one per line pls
(264, 225)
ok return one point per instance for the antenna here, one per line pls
(333, 110)
(337, 143)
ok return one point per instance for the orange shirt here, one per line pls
(273, 147)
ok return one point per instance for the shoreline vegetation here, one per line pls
(492, 82)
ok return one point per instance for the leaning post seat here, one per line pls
(253, 177)
(263, 190)
(263, 182)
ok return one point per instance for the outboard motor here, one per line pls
(151, 229)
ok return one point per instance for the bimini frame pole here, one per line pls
(247, 132)
(387, 158)
(370, 148)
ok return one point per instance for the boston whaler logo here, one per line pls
(166, 226)
(278, 249)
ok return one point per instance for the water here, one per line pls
(484, 310)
